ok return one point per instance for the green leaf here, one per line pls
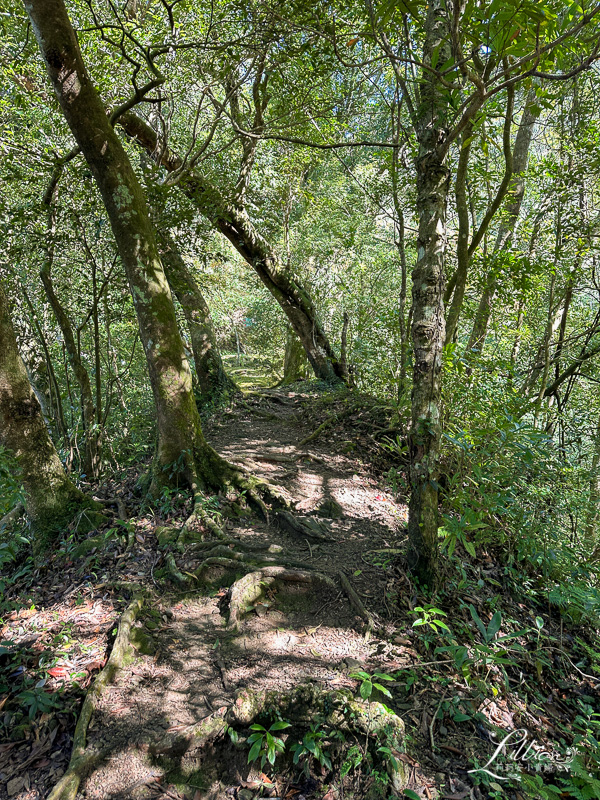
(257, 727)
(478, 621)
(469, 547)
(412, 795)
(366, 689)
(254, 752)
(494, 626)
(280, 726)
(382, 689)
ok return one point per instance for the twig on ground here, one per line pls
(432, 723)
(356, 603)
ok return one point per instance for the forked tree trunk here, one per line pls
(213, 381)
(234, 223)
(182, 452)
(428, 328)
(52, 501)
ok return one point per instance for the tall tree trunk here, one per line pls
(233, 222)
(428, 328)
(507, 227)
(213, 381)
(52, 501)
(182, 453)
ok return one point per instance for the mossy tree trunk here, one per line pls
(213, 381)
(52, 500)
(428, 328)
(233, 222)
(295, 363)
(182, 453)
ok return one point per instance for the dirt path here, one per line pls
(193, 664)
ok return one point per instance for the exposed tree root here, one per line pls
(192, 737)
(82, 760)
(177, 576)
(330, 421)
(200, 518)
(248, 589)
(273, 396)
(268, 415)
(369, 723)
(306, 528)
(252, 547)
(115, 501)
(357, 603)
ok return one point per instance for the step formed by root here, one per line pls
(247, 590)
(305, 527)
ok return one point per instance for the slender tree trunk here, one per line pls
(54, 390)
(462, 247)
(233, 222)
(182, 453)
(213, 381)
(591, 523)
(52, 501)
(88, 410)
(506, 231)
(428, 327)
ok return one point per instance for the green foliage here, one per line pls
(311, 746)
(428, 616)
(264, 745)
(369, 682)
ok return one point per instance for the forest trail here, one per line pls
(193, 664)
(207, 656)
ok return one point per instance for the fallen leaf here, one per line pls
(58, 672)
(14, 786)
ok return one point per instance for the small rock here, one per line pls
(245, 794)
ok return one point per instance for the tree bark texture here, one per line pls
(233, 222)
(52, 501)
(295, 364)
(428, 327)
(178, 422)
(213, 381)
